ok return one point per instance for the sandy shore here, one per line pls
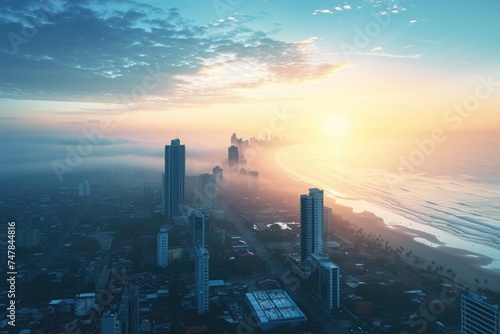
(466, 265)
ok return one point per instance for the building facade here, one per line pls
(162, 247)
(325, 281)
(201, 280)
(479, 316)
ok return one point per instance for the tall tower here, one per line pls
(232, 156)
(201, 274)
(162, 247)
(174, 178)
(217, 172)
(311, 226)
(201, 229)
(327, 222)
(325, 281)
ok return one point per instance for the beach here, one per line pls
(468, 266)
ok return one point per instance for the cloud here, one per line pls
(338, 8)
(393, 55)
(322, 11)
(413, 22)
(139, 53)
(347, 7)
(378, 48)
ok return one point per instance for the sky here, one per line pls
(129, 76)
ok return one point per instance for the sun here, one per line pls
(335, 126)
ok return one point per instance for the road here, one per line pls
(299, 295)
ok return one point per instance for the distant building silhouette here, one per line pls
(206, 189)
(232, 156)
(218, 177)
(173, 179)
(311, 226)
(201, 280)
(327, 222)
(162, 247)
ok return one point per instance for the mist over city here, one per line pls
(245, 167)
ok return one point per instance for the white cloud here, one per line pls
(322, 11)
(413, 21)
(378, 48)
(338, 8)
(347, 7)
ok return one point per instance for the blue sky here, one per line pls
(67, 64)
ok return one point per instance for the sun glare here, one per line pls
(335, 126)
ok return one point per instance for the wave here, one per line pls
(462, 211)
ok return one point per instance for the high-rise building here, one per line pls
(218, 177)
(128, 314)
(174, 178)
(201, 279)
(162, 247)
(478, 315)
(327, 222)
(201, 229)
(325, 281)
(311, 226)
(232, 156)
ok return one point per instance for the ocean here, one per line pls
(451, 191)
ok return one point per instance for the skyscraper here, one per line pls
(162, 247)
(174, 178)
(218, 177)
(232, 156)
(479, 316)
(128, 314)
(311, 226)
(325, 281)
(201, 229)
(201, 276)
(327, 222)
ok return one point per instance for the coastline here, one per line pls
(468, 266)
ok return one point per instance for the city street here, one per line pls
(299, 295)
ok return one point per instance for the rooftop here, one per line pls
(273, 306)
